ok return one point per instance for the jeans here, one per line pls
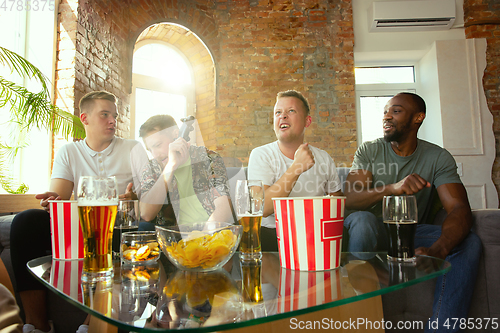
(453, 293)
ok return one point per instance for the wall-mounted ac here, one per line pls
(411, 15)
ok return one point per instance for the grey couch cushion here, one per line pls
(5, 222)
(486, 225)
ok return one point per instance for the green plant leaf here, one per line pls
(28, 110)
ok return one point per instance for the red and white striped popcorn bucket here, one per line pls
(67, 237)
(300, 290)
(65, 276)
(309, 232)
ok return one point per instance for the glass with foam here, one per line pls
(97, 205)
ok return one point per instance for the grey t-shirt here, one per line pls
(431, 162)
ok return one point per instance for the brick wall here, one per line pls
(258, 48)
(482, 20)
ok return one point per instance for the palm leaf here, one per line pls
(8, 183)
(23, 67)
(29, 109)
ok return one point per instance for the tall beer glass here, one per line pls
(97, 204)
(249, 210)
(251, 283)
(400, 220)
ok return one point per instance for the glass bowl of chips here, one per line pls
(199, 247)
(139, 247)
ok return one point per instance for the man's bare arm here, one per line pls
(302, 161)
(280, 189)
(59, 189)
(222, 212)
(153, 200)
(457, 224)
(360, 193)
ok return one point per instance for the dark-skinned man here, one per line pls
(402, 164)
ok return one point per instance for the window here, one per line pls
(162, 84)
(31, 35)
(374, 87)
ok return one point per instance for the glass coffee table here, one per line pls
(155, 297)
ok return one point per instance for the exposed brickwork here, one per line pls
(482, 20)
(272, 46)
(258, 48)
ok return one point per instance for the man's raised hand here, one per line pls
(303, 159)
(411, 184)
(129, 193)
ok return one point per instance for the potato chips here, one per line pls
(203, 250)
(198, 288)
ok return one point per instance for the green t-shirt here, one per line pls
(191, 209)
(431, 162)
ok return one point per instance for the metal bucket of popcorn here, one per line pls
(66, 233)
(309, 232)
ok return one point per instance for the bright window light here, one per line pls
(149, 103)
(163, 62)
(372, 112)
(384, 75)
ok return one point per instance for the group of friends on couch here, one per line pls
(184, 183)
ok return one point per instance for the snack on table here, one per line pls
(201, 249)
(142, 273)
(137, 252)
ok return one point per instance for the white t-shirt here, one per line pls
(267, 163)
(76, 159)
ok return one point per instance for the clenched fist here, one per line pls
(411, 184)
(303, 159)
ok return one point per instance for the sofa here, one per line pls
(409, 304)
(415, 303)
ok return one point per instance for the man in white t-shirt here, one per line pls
(289, 167)
(100, 154)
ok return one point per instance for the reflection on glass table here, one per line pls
(157, 296)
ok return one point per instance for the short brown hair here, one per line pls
(88, 100)
(157, 123)
(296, 94)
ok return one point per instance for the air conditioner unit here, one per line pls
(411, 15)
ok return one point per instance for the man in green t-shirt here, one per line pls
(183, 183)
(402, 164)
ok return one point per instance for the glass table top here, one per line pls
(155, 297)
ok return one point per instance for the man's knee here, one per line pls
(473, 246)
(361, 220)
(31, 220)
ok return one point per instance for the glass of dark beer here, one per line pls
(127, 219)
(400, 220)
(249, 210)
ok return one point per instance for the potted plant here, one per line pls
(28, 110)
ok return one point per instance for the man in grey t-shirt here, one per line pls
(401, 164)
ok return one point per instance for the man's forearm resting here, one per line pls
(280, 189)
(455, 228)
(358, 197)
